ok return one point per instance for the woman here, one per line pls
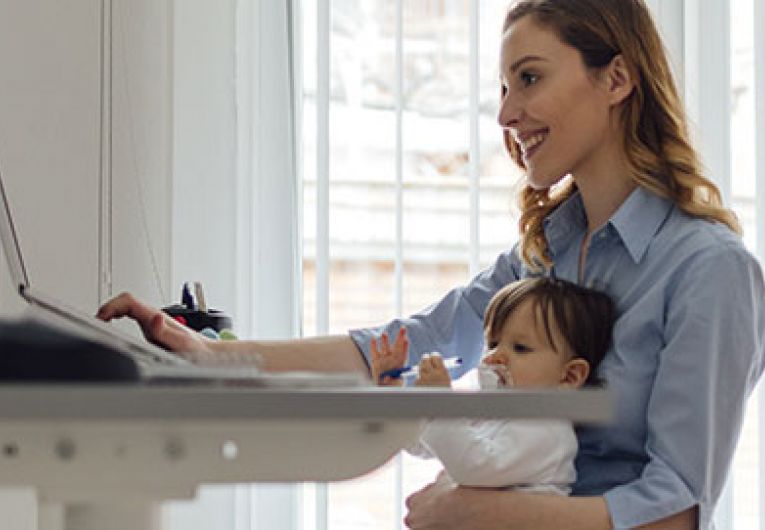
(615, 200)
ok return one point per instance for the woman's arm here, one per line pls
(322, 354)
(334, 353)
(445, 506)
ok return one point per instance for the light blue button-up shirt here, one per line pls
(687, 349)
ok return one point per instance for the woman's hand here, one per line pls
(444, 505)
(429, 508)
(386, 357)
(433, 372)
(159, 328)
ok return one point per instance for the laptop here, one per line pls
(155, 364)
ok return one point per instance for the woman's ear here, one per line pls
(575, 373)
(619, 82)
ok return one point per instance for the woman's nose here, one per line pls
(509, 111)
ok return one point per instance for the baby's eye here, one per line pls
(521, 348)
(503, 90)
(528, 78)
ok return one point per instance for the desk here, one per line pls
(105, 456)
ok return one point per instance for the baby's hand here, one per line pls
(387, 358)
(433, 372)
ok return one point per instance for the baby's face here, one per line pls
(522, 355)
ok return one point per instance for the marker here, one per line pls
(201, 304)
(187, 300)
(405, 371)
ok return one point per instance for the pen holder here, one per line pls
(199, 320)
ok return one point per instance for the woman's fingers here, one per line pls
(426, 507)
(126, 305)
(171, 334)
(157, 326)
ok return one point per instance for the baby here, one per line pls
(540, 333)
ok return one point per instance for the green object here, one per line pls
(227, 334)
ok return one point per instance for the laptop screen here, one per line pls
(10, 243)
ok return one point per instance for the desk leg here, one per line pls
(111, 515)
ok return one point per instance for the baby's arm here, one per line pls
(433, 372)
(386, 358)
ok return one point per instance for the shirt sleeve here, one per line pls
(454, 325)
(496, 453)
(711, 359)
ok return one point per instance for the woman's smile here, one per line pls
(530, 144)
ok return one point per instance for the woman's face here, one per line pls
(553, 107)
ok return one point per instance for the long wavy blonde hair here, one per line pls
(656, 141)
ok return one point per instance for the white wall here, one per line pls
(141, 148)
(145, 108)
(204, 193)
(50, 143)
(52, 148)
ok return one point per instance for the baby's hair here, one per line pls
(585, 317)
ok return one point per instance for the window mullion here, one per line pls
(399, 109)
(707, 85)
(474, 156)
(322, 203)
(398, 298)
(759, 153)
(322, 165)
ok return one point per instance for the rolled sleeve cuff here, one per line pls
(362, 338)
(651, 499)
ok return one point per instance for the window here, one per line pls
(744, 494)
(407, 192)
(408, 104)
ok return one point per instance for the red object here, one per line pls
(181, 319)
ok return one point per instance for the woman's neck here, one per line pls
(601, 202)
(604, 186)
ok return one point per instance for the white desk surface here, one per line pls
(189, 403)
(77, 443)
(106, 456)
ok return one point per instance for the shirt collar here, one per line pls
(636, 221)
(563, 222)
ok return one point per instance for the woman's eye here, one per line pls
(491, 345)
(528, 78)
(521, 348)
(503, 90)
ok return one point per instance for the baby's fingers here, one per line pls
(402, 342)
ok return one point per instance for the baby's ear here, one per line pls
(575, 373)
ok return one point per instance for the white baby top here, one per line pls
(536, 455)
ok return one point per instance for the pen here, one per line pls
(451, 362)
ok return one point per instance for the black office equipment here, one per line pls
(34, 352)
